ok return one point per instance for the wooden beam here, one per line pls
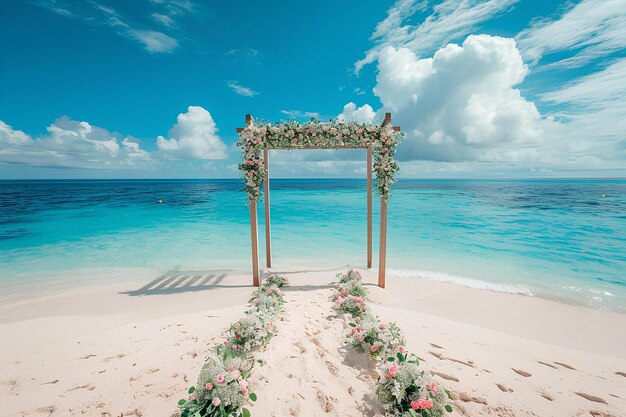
(369, 207)
(268, 240)
(254, 235)
(382, 252)
(254, 228)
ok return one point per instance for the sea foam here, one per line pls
(461, 281)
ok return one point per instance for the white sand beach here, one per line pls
(120, 350)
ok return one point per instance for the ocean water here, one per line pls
(559, 239)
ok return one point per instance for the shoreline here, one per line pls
(60, 283)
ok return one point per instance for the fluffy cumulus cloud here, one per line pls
(71, 143)
(194, 136)
(462, 103)
(363, 114)
(78, 144)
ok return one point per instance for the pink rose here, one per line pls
(432, 387)
(402, 349)
(428, 403)
(415, 405)
(392, 371)
(358, 319)
(234, 347)
(216, 402)
(208, 386)
(374, 348)
(219, 380)
(382, 326)
(192, 397)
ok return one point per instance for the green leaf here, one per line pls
(197, 414)
(391, 359)
(181, 402)
(191, 390)
(400, 357)
(351, 324)
(252, 396)
(448, 408)
(245, 412)
(448, 393)
(261, 362)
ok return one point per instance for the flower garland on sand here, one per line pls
(404, 389)
(222, 389)
(334, 134)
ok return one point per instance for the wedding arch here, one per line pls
(380, 141)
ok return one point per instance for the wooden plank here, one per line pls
(254, 235)
(369, 207)
(268, 240)
(382, 253)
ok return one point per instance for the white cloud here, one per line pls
(588, 30)
(194, 136)
(298, 114)
(461, 106)
(71, 143)
(449, 20)
(154, 41)
(163, 19)
(78, 144)
(241, 90)
(95, 14)
(596, 108)
(363, 114)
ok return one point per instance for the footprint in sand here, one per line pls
(564, 365)
(12, 383)
(334, 371)
(522, 373)
(595, 413)
(546, 396)
(592, 398)
(86, 386)
(50, 409)
(436, 355)
(118, 356)
(50, 382)
(467, 398)
(299, 346)
(504, 388)
(446, 376)
(547, 364)
(436, 346)
(620, 373)
(88, 356)
(325, 402)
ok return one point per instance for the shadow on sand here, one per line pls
(173, 282)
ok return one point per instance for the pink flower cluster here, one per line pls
(422, 404)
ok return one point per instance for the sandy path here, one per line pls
(309, 371)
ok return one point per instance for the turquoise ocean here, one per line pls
(557, 239)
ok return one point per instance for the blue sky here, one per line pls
(156, 88)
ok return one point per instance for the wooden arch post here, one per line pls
(254, 227)
(382, 250)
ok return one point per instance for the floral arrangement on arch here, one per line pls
(222, 388)
(404, 389)
(314, 134)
